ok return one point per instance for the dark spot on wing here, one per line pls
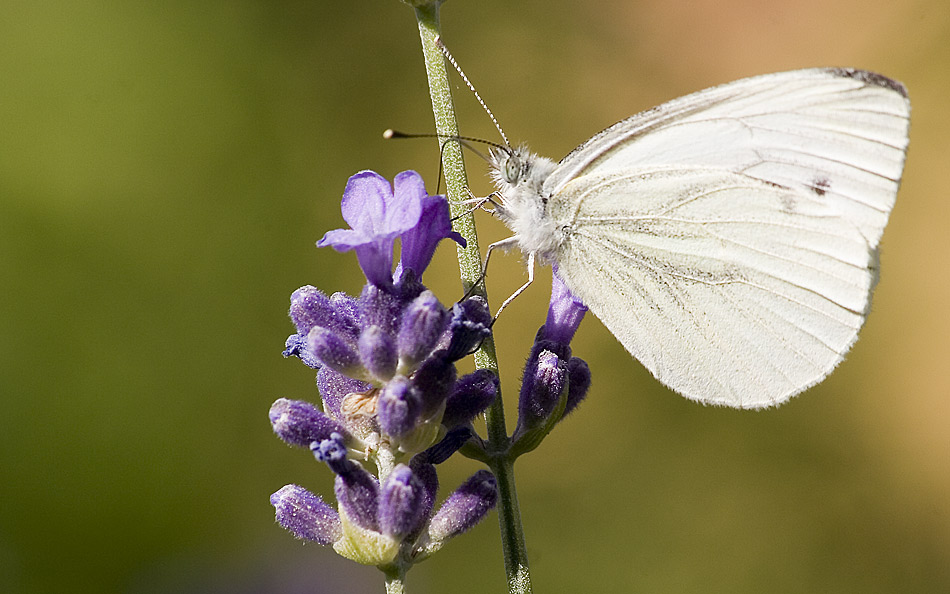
(789, 203)
(820, 185)
(871, 78)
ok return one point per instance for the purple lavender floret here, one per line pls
(334, 387)
(565, 312)
(550, 369)
(579, 374)
(306, 515)
(434, 380)
(299, 423)
(419, 243)
(399, 407)
(420, 328)
(465, 507)
(541, 389)
(378, 353)
(471, 395)
(334, 351)
(401, 509)
(469, 325)
(357, 491)
(377, 216)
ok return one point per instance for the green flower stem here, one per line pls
(470, 265)
(395, 580)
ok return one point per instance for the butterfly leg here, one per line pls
(504, 244)
(520, 289)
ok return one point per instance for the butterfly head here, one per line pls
(519, 177)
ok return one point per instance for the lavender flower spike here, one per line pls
(377, 217)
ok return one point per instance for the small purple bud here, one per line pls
(378, 307)
(309, 308)
(334, 387)
(465, 507)
(579, 377)
(399, 407)
(296, 346)
(306, 515)
(541, 389)
(429, 478)
(378, 353)
(334, 352)
(472, 394)
(299, 423)
(401, 503)
(357, 491)
(358, 495)
(470, 324)
(434, 380)
(450, 444)
(422, 325)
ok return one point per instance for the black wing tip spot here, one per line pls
(820, 185)
(871, 78)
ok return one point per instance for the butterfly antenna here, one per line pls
(448, 56)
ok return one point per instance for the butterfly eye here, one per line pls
(512, 169)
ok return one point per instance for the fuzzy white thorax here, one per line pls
(519, 177)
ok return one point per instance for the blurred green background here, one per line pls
(165, 170)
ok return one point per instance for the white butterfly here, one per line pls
(727, 238)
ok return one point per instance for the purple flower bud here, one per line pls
(357, 492)
(399, 407)
(434, 381)
(429, 478)
(579, 377)
(378, 353)
(541, 389)
(450, 444)
(379, 308)
(565, 313)
(420, 329)
(472, 394)
(465, 507)
(299, 423)
(296, 346)
(470, 324)
(419, 243)
(334, 387)
(309, 308)
(334, 352)
(401, 503)
(306, 515)
(356, 489)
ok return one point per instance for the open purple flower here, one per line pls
(379, 213)
(565, 312)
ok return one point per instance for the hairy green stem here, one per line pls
(470, 265)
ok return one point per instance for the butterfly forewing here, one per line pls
(838, 133)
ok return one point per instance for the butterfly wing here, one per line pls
(838, 133)
(728, 238)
